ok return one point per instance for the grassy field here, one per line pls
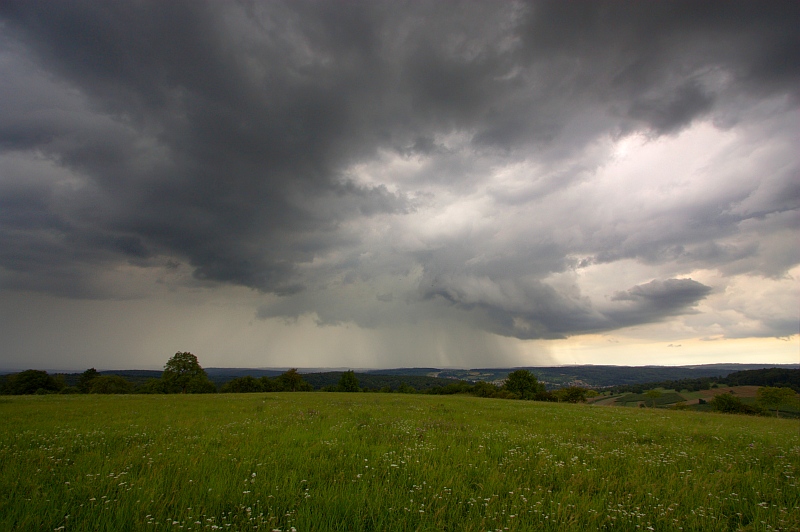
(333, 461)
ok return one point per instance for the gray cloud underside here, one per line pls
(224, 136)
(535, 310)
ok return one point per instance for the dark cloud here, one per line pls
(229, 137)
(536, 310)
(656, 300)
(675, 111)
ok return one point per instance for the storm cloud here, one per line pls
(372, 162)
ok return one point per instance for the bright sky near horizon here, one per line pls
(389, 184)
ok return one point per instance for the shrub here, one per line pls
(573, 394)
(110, 384)
(405, 388)
(245, 384)
(729, 404)
(485, 389)
(269, 385)
(152, 386)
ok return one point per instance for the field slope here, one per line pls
(325, 461)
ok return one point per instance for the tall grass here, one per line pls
(317, 461)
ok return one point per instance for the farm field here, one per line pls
(668, 398)
(336, 461)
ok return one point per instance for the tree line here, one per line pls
(768, 398)
(774, 377)
(183, 374)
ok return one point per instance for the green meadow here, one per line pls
(337, 461)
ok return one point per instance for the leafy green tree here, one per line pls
(31, 381)
(201, 385)
(85, 380)
(110, 384)
(730, 404)
(405, 388)
(773, 397)
(653, 395)
(502, 393)
(292, 381)
(348, 382)
(269, 385)
(484, 389)
(726, 402)
(523, 384)
(152, 386)
(572, 394)
(183, 374)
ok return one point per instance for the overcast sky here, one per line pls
(391, 184)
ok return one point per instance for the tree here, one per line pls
(405, 388)
(484, 389)
(348, 382)
(773, 397)
(653, 395)
(152, 386)
(523, 384)
(183, 374)
(110, 384)
(730, 404)
(292, 381)
(31, 381)
(269, 385)
(572, 394)
(85, 380)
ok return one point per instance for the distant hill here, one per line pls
(620, 375)
(370, 381)
(426, 378)
(134, 376)
(319, 380)
(596, 376)
(780, 377)
(423, 372)
(220, 376)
